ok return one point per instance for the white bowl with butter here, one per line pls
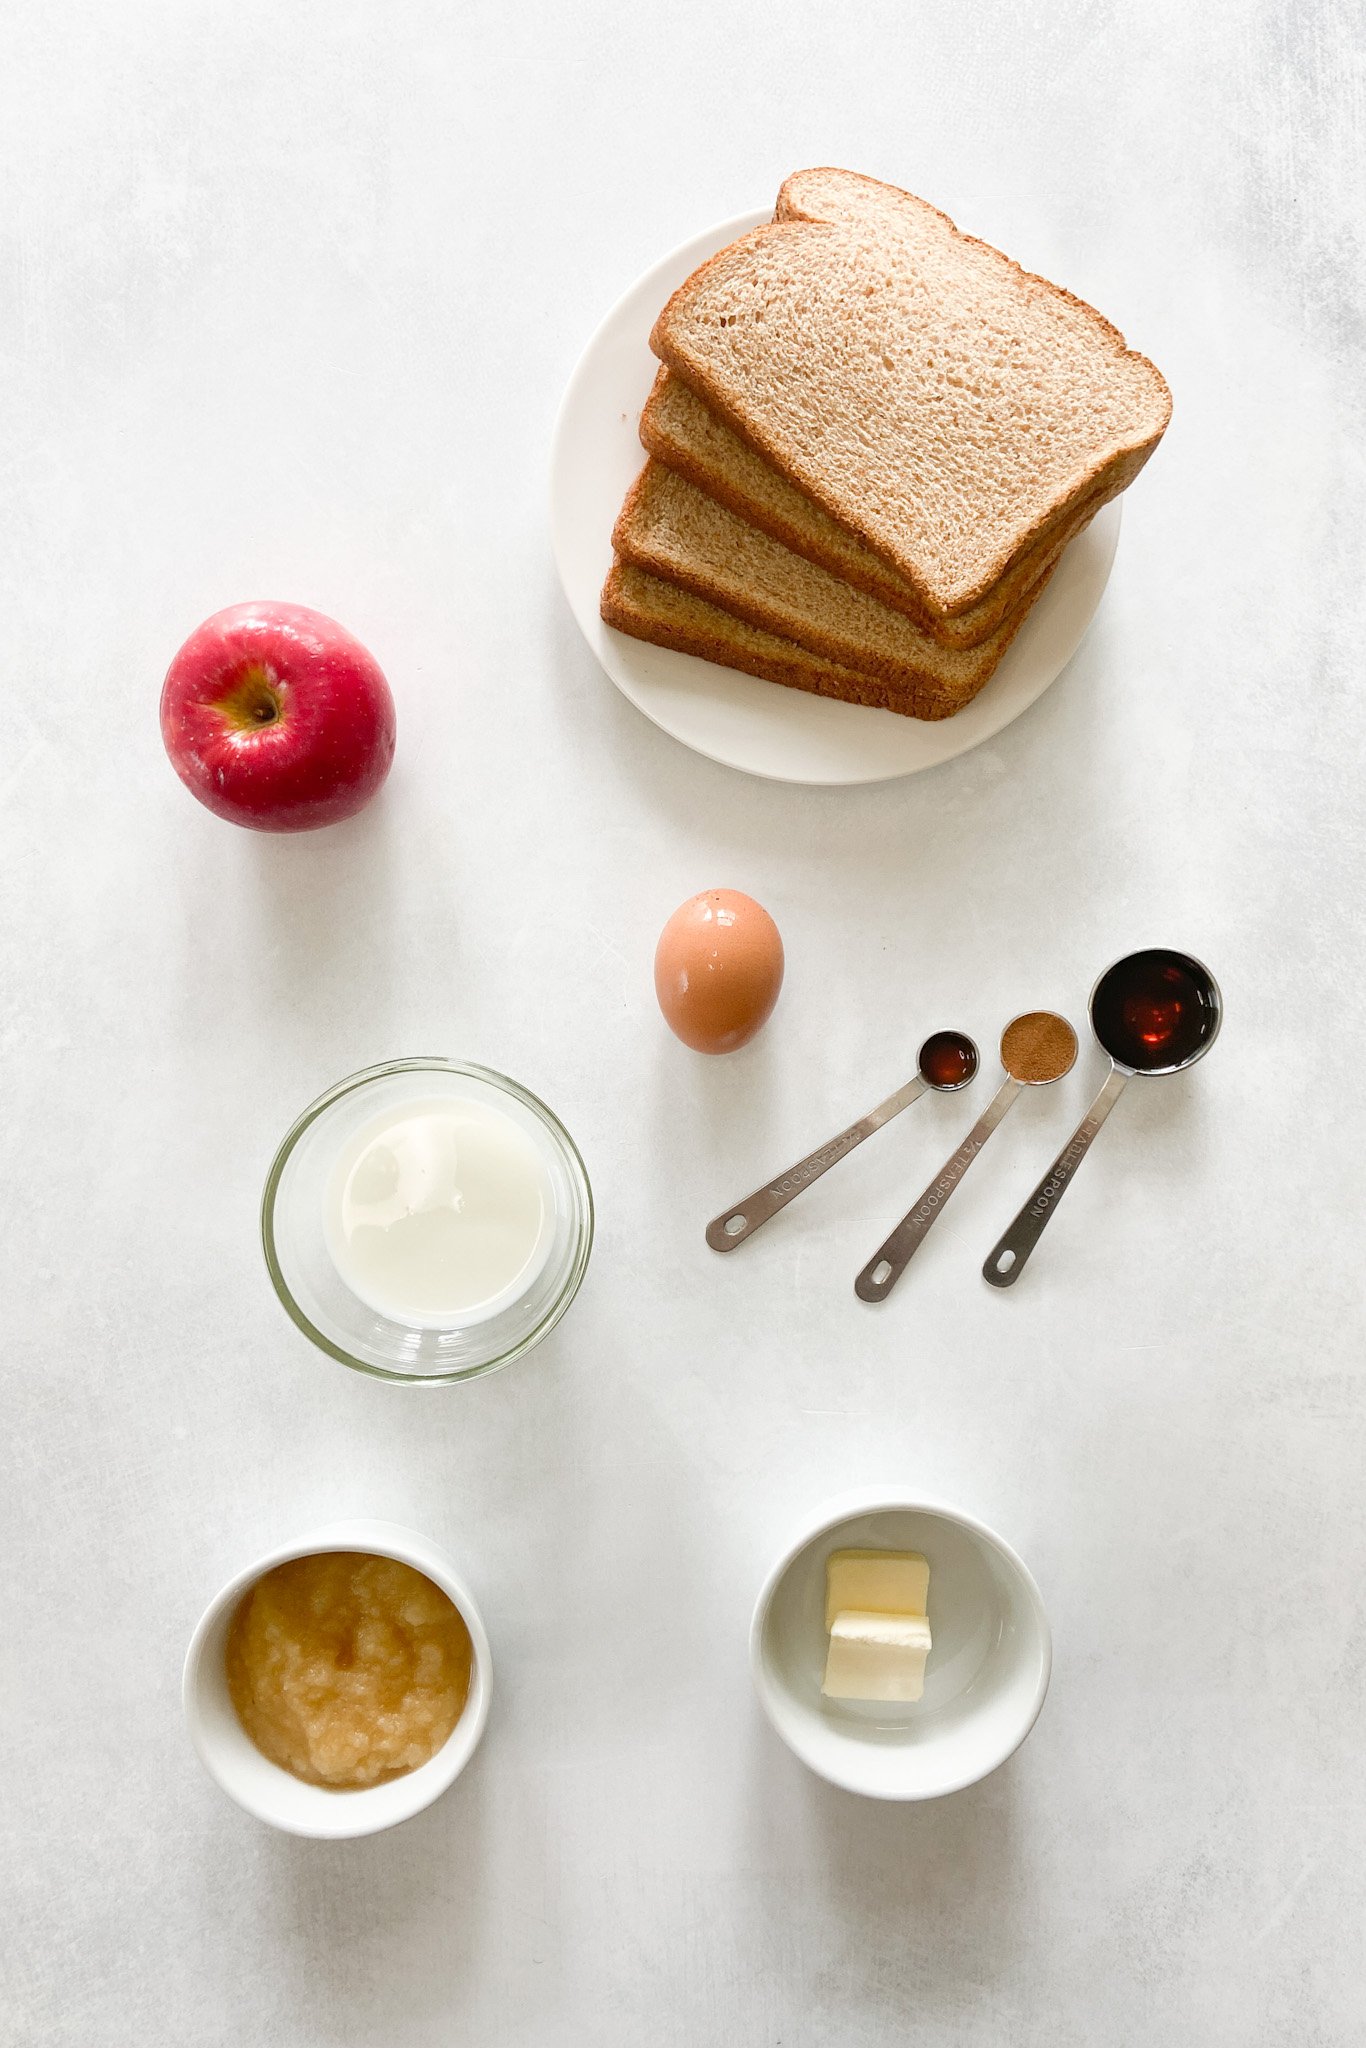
(275, 1795)
(981, 1683)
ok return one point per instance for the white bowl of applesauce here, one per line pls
(340, 1683)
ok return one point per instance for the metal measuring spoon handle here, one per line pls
(890, 1261)
(1007, 1260)
(743, 1218)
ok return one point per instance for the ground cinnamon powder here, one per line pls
(1038, 1047)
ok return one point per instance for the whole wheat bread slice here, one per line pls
(684, 434)
(648, 608)
(670, 529)
(936, 400)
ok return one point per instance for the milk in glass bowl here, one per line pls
(427, 1220)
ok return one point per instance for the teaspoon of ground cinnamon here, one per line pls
(1036, 1048)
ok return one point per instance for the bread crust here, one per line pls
(874, 577)
(942, 598)
(626, 606)
(808, 619)
(788, 205)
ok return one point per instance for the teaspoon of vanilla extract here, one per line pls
(1154, 1013)
(1036, 1048)
(947, 1061)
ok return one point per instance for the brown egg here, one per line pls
(718, 970)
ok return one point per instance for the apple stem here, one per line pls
(253, 699)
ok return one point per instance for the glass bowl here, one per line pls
(318, 1300)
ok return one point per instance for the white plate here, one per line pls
(764, 728)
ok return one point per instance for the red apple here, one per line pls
(277, 719)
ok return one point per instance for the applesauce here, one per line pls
(348, 1669)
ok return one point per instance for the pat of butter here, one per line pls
(875, 1582)
(877, 1657)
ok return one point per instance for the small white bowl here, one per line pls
(986, 1675)
(271, 1794)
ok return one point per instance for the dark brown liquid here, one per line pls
(1154, 1010)
(948, 1059)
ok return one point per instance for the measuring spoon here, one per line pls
(1154, 1012)
(946, 1062)
(1036, 1048)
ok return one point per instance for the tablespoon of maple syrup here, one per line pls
(1155, 1012)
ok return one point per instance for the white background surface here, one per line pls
(290, 295)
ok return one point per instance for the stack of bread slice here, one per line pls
(871, 440)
